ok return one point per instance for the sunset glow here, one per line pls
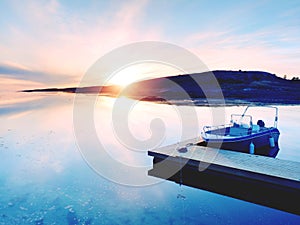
(55, 42)
(142, 71)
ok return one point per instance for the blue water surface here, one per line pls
(45, 180)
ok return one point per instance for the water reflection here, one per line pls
(44, 179)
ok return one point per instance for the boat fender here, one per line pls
(271, 141)
(251, 148)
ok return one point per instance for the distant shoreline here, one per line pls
(237, 88)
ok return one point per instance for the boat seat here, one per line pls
(255, 128)
(238, 131)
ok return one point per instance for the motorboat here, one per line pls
(242, 135)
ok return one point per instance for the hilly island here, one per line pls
(215, 87)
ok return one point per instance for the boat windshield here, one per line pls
(244, 121)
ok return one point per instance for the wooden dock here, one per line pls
(262, 180)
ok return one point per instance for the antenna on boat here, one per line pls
(276, 117)
(245, 111)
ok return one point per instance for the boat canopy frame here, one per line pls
(271, 107)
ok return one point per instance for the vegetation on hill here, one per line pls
(233, 86)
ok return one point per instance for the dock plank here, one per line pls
(289, 170)
(258, 179)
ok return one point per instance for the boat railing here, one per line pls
(219, 130)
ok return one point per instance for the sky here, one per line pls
(53, 43)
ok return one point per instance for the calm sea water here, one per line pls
(44, 178)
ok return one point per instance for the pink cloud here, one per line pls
(226, 50)
(60, 45)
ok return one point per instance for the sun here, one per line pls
(141, 71)
(125, 76)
